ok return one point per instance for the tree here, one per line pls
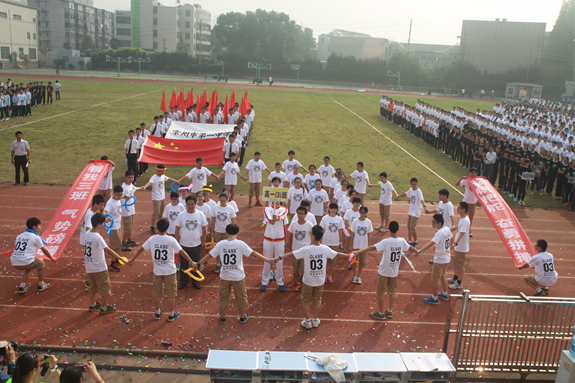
(182, 47)
(408, 65)
(87, 43)
(114, 43)
(89, 65)
(560, 46)
(59, 63)
(81, 64)
(70, 66)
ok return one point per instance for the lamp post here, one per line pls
(398, 75)
(296, 68)
(117, 60)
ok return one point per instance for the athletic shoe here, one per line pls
(125, 247)
(114, 268)
(443, 296)
(389, 314)
(131, 242)
(263, 287)
(455, 286)
(384, 230)
(410, 243)
(157, 316)
(218, 267)
(244, 319)
(282, 289)
(306, 323)
(431, 262)
(172, 318)
(25, 183)
(87, 284)
(329, 280)
(250, 204)
(431, 301)
(379, 227)
(44, 286)
(95, 307)
(358, 280)
(354, 279)
(107, 310)
(272, 276)
(415, 243)
(258, 203)
(451, 280)
(545, 290)
(315, 322)
(296, 286)
(378, 316)
(152, 230)
(222, 320)
(539, 293)
(22, 290)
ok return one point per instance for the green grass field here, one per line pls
(96, 116)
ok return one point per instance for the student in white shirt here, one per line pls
(296, 195)
(318, 201)
(385, 201)
(131, 147)
(98, 204)
(141, 134)
(326, 172)
(172, 211)
(460, 246)
(415, 202)
(162, 248)
(204, 207)
(24, 255)
(289, 182)
(299, 235)
(393, 249)
(350, 215)
(95, 263)
(231, 171)
(332, 225)
(114, 208)
(128, 212)
(156, 127)
(360, 230)
(230, 147)
(222, 215)
(544, 267)
(254, 170)
(315, 257)
(107, 183)
(469, 196)
(199, 176)
(309, 180)
(289, 164)
(232, 276)
(442, 242)
(275, 219)
(445, 208)
(361, 181)
(277, 173)
(157, 181)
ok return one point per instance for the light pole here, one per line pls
(220, 62)
(398, 75)
(139, 61)
(296, 68)
(117, 60)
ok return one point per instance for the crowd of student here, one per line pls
(325, 218)
(516, 137)
(17, 100)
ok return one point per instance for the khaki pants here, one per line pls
(384, 211)
(158, 209)
(220, 236)
(232, 191)
(169, 282)
(128, 224)
(412, 223)
(116, 241)
(386, 285)
(239, 288)
(99, 283)
(36, 264)
(255, 190)
(459, 262)
(438, 271)
(311, 293)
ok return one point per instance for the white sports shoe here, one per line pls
(315, 322)
(306, 323)
(456, 286)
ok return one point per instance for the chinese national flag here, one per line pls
(163, 104)
(167, 151)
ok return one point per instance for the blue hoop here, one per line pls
(172, 188)
(126, 204)
(109, 232)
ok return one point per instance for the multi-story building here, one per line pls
(18, 35)
(346, 43)
(500, 45)
(430, 54)
(64, 24)
(124, 29)
(156, 27)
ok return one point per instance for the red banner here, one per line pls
(169, 151)
(505, 222)
(71, 211)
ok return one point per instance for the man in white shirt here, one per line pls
(460, 247)
(361, 181)
(57, 87)
(230, 147)
(445, 208)
(199, 176)
(490, 159)
(157, 181)
(254, 170)
(275, 219)
(20, 157)
(231, 171)
(107, 183)
(469, 196)
(416, 201)
(131, 146)
(156, 127)
(326, 172)
(544, 267)
(141, 134)
(299, 236)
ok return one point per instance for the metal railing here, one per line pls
(519, 334)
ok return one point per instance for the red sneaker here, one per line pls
(258, 203)
(329, 280)
(296, 286)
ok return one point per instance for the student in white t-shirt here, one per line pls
(442, 242)
(231, 170)
(346, 201)
(469, 196)
(231, 203)
(326, 172)
(333, 237)
(254, 170)
(348, 218)
(222, 215)
(361, 181)
(277, 173)
(98, 204)
(290, 178)
(163, 248)
(296, 195)
(106, 185)
(232, 276)
(393, 248)
(199, 176)
(95, 263)
(385, 201)
(318, 201)
(204, 207)
(416, 201)
(544, 267)
(360, 230)
(128, 212)
(309, 179)
(114, 208)
(299, 235)
(171, 212)
(445, 208)
(315, 257)
(157, 181)
(183, 193)
(275, 220)
(289, 164)
(460, 246)
(24, 255)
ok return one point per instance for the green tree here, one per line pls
(408, 65)
(114, 43)
(560, 45)
(81, 64)
(87, 43)
(182, 47)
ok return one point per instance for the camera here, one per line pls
(4, 344)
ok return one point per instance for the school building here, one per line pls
(18, 35)
(359, 45)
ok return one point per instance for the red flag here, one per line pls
(247, 100)
(246, 103)
(182, 100)
(242, 107)
(226, 109)
(506, 223)
(174, 99)
(233, 98)
(167, 151)
(163, 104)
(212, 102)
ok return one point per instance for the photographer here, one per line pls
(28, 366)
(73, 373)
(10, 357)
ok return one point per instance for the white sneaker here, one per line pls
(455, 286)
(306, 323)
(354, 279)
(315, 322)
(450, 280)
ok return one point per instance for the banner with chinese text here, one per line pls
(195, 131)
(71, 211)
(505, 222)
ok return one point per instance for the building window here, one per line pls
(123, 19)
(4, 15)
(155, 10)
(187, 24)
(155, 33)
(28, 35)
(187, 36)
(179, 35)
(155, 45)
(188, 12)
(34, 36)
(178, 23)
(32, 53)
(123, 31)
(17, 17)
(5, 52)
(155, 21)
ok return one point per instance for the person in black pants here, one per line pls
(552, 173)
(132, 145)
(521, 183)
(20, 154)
(43, 90)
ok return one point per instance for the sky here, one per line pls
(434, 22)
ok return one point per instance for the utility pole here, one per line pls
(409, 38)
(164, 42)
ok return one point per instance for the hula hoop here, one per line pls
(189, 272)
(123, 261)
(210, 244)
(172, 188)
(126, 204)
(109, 232)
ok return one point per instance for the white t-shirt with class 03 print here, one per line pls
(162, 249)
(331, 227)
(310, 180)
(129, 190)
(231, 255)
(446, 210)
(386, 191)
(360, 231)
(158, 187)
(171, 212)
(315, 262)
(114, 208)
(463, 226)
(199, 177)
(545, 273)
(27, 244)
(415, 199)
(295, 197)
(191, 228)
(469, 196)
(301, 234)
(361, 179)
(326, 172)
(442, 240)
(232, 169)
(289, 165)
(256, 168)
(223, 217)
(317, 199)
(393, 249)
(94, 257)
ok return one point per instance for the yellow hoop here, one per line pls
(123, 261)
(189, 272)
(211, 244)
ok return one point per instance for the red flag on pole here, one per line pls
(212, 102)
(168, 151)
(174, 99)
(182, 100)
(226, 109)
(163, 104)
(247, 100)
(242, 107)
(233, 98)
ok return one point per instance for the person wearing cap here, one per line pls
(158, 194)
